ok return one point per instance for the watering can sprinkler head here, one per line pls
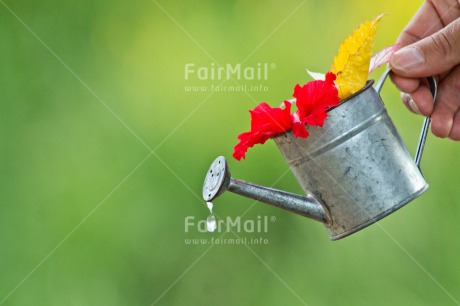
(218, 180)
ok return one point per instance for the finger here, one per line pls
(432, 55)
(422, 100)
(442, 122)
(447, 10)
(405, 84)
(447, 104)
(455, 131)
(424, 23)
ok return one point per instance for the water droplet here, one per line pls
(209, 204)
(211, 223)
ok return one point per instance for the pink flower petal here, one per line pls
(382, 57)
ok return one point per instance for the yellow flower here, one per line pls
(351, 65)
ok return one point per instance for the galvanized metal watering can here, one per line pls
(354, 171)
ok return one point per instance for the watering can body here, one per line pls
(355, 170)
(357, 165)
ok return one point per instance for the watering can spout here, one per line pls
(218, 180)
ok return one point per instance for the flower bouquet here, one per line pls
(346, 76)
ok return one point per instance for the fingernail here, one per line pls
(405, 97)
(407, 59)
(413, 106)
(409, 102)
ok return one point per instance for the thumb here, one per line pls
(430, 56)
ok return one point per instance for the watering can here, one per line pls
(355, 170)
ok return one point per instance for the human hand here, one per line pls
(430, 46)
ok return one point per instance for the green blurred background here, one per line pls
(103, 155)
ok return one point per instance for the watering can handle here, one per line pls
(426, 123)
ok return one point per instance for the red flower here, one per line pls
(266, 122)
(312, 101)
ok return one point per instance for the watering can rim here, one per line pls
(368, 85)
